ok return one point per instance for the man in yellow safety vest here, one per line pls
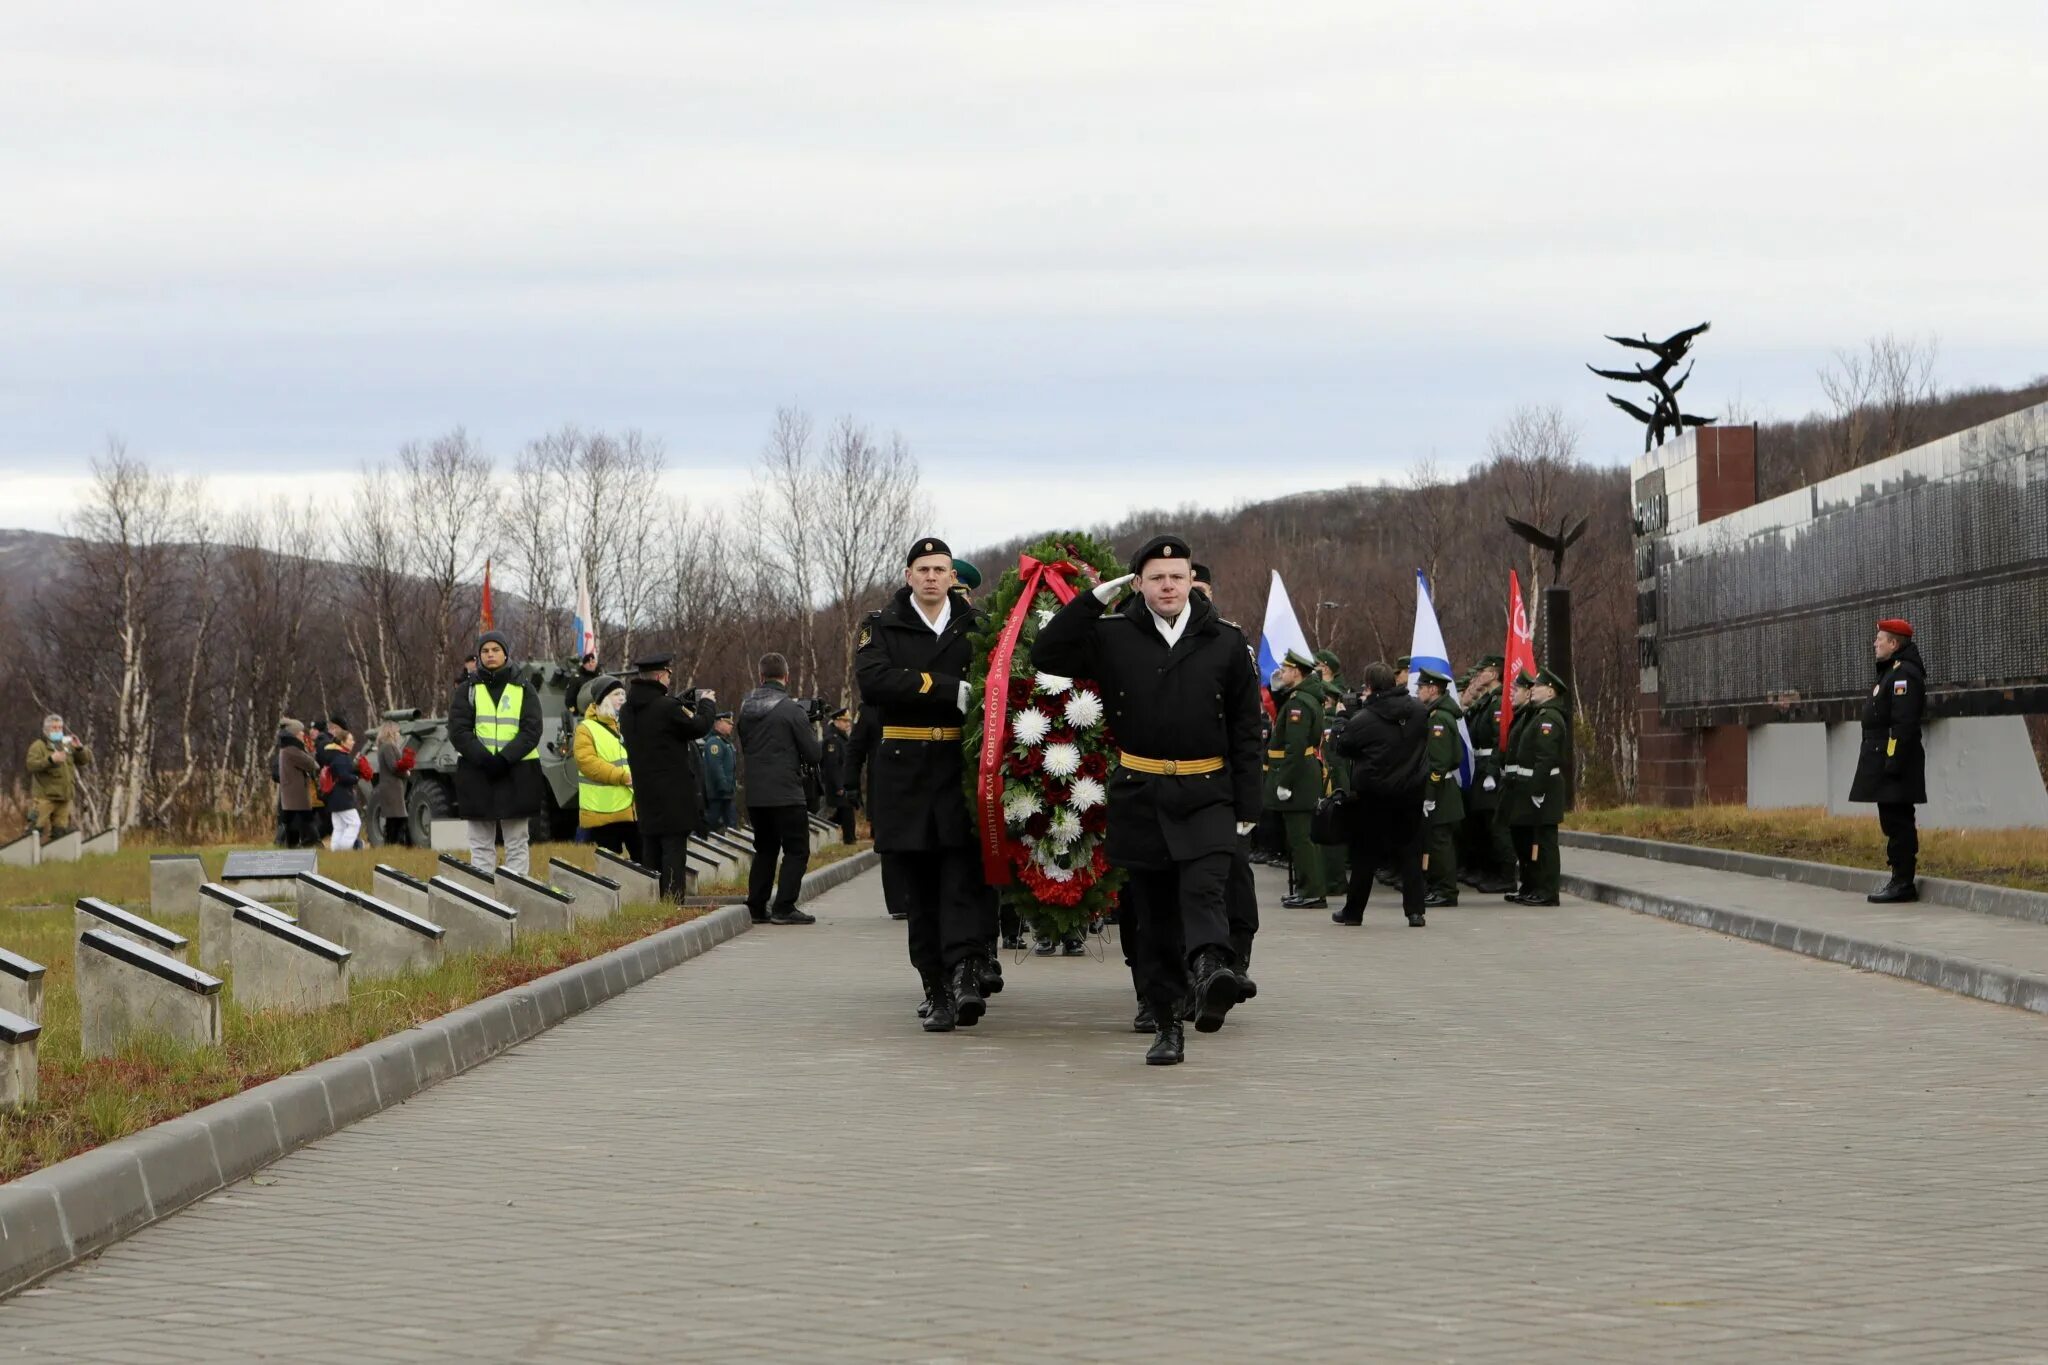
(494, 723)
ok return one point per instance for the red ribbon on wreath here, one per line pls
(995, 858)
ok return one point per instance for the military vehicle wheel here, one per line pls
(428, 801)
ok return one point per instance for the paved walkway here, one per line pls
(1519, 1135)
(2017, 944)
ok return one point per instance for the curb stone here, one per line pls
(64, 1213)
(2011, 902)
(1964, 976)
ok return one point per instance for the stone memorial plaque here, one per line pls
(284, 862)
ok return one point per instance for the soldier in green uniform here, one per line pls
(1330, 673)
(1443, 800)
(1536, 798)
(1487, 852)
(1294, 775)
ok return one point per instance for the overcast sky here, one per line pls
(1081, 255)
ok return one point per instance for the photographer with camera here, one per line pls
(54, 759)
(778, 742)
(661, 734)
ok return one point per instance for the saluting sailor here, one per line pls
(1182, 696)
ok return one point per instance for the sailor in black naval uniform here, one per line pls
(1182, 695)
(912, 665)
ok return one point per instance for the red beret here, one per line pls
(1892, 625)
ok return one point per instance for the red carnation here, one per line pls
(1039, 825)
(1058, 793)
(1095, 819)
(1024, 763)
(1020, 690)
(1059, 736)
(1095, 765)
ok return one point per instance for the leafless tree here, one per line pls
(789, 527)
(869, 497)
(447, 490)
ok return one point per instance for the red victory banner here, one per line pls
(1518, 658)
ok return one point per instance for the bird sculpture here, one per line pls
(1665, 417)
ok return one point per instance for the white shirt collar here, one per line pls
(1171, 631)
(945, 614)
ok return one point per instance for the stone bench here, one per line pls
(217, 906)
(94, 913)
(125, 989)
(23, 852)
(466, 873)
(384, 939)
(542, 909)
(17, 1060)
(174, 882)
(106, 841)
(21, 986)
(475, 923)
(401, 889)
(63, 849)
(595, 896)
(279, 966)
(637, 885)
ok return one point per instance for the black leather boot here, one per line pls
(968, 1002)
(932, 985)
(1169, 1047)
(1897, 891)
(1145, 1021)
(991, 976)
(940, 1018)
(1216, 989)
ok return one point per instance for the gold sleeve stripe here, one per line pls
(927, 685)
(1891, 748)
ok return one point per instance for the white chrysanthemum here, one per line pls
(1052, 684)
(1019, 806)
(1031, 727)
(1084, 710)
(1053, 870)
(1066, 827)
(1088, 793)
(1044, 615)
(1062, 760)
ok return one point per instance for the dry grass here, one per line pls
(2002, 857)
(85, 1103)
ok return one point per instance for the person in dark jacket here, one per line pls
(298, 771)
(392, 760)
(777, 743)
(661, 734)
(911, 659)
(338, 769)
(1182, 696)
(1891, 765)
(721, 774)
(1387, 743)
(494, 724)
(839, 796)
(587, 672)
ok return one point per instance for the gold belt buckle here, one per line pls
(1170, 767)
(938, 732)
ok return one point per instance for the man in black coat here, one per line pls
(494, 723)
(912, 661)
(1183, 702)
(778, 746)
(1891, 766)
(661, 735)
(839, 793)
(1387, 742)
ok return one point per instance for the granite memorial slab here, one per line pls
(106, 841)
(280, 966)
(174, 882)
(125, 989)
(386, 940)
(63, 849)
(401, 889)
(21, 985)
(17, 1060)
(94, 913)
(637, 885)
(23, 852)
(595, 896)
(217, 906)
(542, 909)
(269, 876)
(475, 923)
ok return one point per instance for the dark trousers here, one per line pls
(952, 916)
(669, 855)
(298, 829)
(780, 832)
(1180, 913)
(1440, 854)
(397, 830)
(1241, 905)
(721, 812)
(1388, 833)
(1901, 839)
(621, 837)
(1540, 866)
(843, 817)
(1486, 848)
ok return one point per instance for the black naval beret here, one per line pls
(1202, 575)
(1160, 547)
(1430, 675)
(653, 662)
(926, 545)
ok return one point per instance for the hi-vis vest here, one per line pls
(602, 797)
(498, 725)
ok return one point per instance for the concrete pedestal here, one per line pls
(401, 889)
(106, 841)
(594, 896)
(732, 842)
(17, 1060)
(21, 986)
(385, 939)
(637, 885)
(23, 852)
(94, 913)
(475, 923)
(1981, 774)
(64, 848)
(542, 909)
(125, 989)
(217, 905)
(174, 882)
(279, 966)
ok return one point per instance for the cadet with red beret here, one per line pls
(1891, 767)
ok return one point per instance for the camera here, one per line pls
(815, 709)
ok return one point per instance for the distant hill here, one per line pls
(29, 561)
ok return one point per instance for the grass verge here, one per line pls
(1999, 857)
(83, 1103)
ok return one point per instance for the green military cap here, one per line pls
(968, 575)
(1490, 661)
(1430, 675)
(1329, 656)
(1299, 660)
(1402, 662)
(1546, 678)
(1525, 679)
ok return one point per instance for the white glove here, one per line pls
(1105, 591)
(1282, 793)
(1246, 826)
(966, 691)
(707, 695)
(1429, 808)
(1487, 785)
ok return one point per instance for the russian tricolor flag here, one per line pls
(1426, 649)
(583, 626)
(1282, 633)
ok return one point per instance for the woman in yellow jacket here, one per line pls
(604, 778)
